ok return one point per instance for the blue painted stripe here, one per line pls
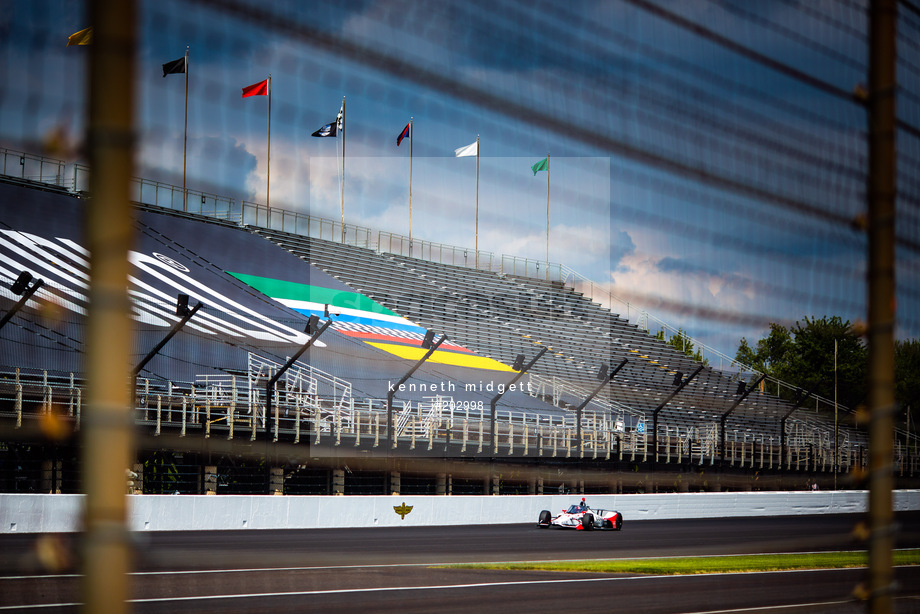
(368, 321)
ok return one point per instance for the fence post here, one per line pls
(18, 406)
(357, 423)
(297, 424)
(253, 413)
(338, 426)
(231, 411)
(79, 401)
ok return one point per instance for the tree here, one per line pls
(907, 377)
(769, 353)
(812, 361)
(682, 343)
(804, 356)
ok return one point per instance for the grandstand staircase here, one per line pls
(306, 391)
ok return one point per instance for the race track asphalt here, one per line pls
(390, 569)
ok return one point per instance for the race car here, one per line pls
(582, 518)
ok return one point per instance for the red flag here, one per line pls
(256, 89)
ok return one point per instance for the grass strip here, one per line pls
(708, 564)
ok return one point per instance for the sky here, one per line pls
(704, 163)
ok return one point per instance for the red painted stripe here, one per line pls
(405, 341)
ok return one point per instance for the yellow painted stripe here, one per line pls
(444, 358)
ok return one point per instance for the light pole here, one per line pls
(21, 286)
(269, 387)
(681, 384)
(181, 310)
(521, 368)
(426, 344)
(605, 379)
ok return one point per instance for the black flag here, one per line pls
(327, 130)
(335, 127)
(174, 67)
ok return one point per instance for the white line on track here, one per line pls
(788, 606)
(39, 606)
(431, 564)
(385, 589)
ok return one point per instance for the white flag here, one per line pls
(469, 150)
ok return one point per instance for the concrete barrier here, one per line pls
(62, 513)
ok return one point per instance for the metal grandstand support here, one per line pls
(269, 387)
(605, 379)
(522, 369)
(658, 409)
(734, 406)
(391, 440)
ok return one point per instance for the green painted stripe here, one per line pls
(279, 289)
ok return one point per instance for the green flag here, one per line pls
(542, 165)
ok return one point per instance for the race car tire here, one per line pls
(587, 522)
(545, 519)
(619, 524)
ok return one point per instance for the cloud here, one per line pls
(651, 275)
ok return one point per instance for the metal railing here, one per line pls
(431, 251)
(304, 224)
(216, 405)
(31, 167)
(168, 196)
(528, 267)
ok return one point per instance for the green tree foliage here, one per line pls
(907, 376)
(804, 356)
(813, 360)
(768, 353)
(682, 343)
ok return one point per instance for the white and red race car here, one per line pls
(582, 518)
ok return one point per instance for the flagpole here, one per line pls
(185, 137)
(547, 216)
(411, 140)
(477, 201)
(268, 163)
(343, 169)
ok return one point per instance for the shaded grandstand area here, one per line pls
(200, 403)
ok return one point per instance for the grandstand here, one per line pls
(717, 142)
(730, 164)
(661, 412)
